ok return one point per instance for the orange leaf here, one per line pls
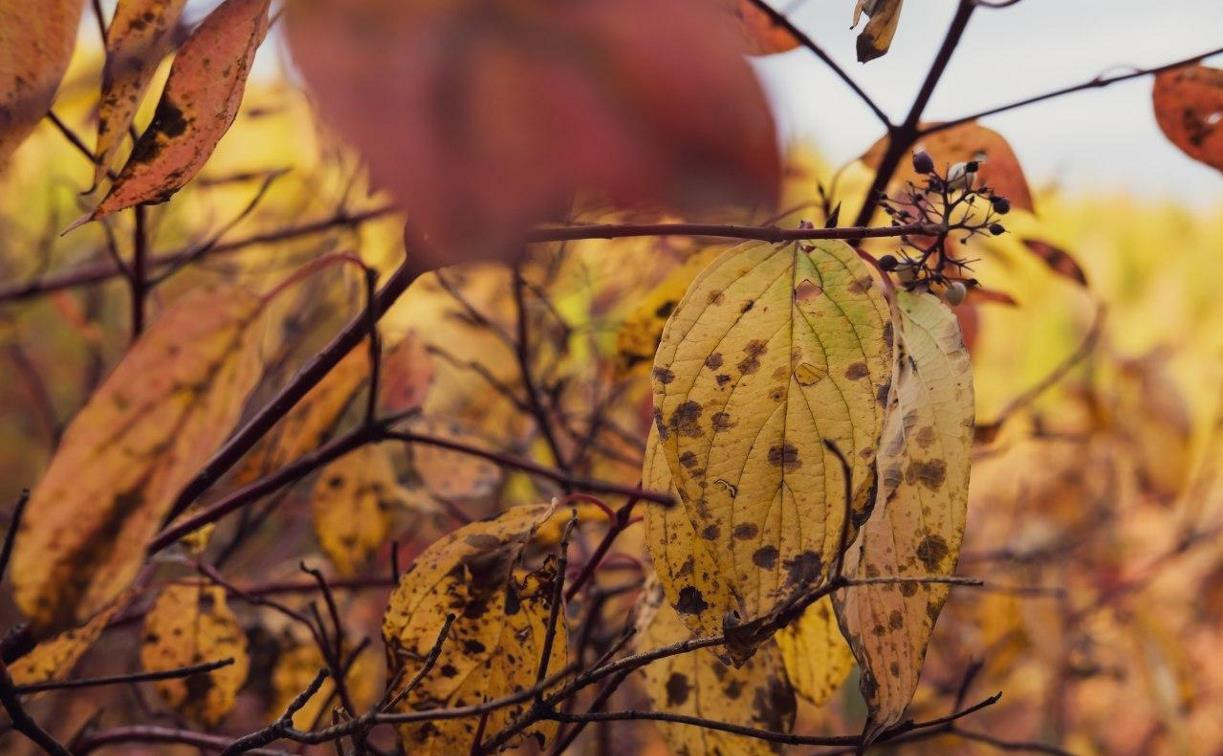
(198, 105)
(761, 34)
(139, 35)
(1058, 259)
(1000, 169)
(1189, 109)
(484, 118)
(36, 41)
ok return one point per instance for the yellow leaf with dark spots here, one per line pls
(756, 694)
(192, 624)
(918, 522)
(153, 423)
(497, 640)
(296, 666)
(817, 658)
(353, 500)
(774, 352)
(54, 658)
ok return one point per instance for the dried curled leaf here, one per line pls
(876, 37)
(918, 522)
(496, 642)
(756, 694)
(199, 103)
(1189, 109)
(999, 167)
(145, 432)
(140, 33)
(353, 499)
(36, 41)
(816, 656)
(448, 473)
(54, 658)
(191, 623)
(606, 106)
(774, 352)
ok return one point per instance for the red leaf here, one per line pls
(1189, 108)
(484, 118)
(1058, 260)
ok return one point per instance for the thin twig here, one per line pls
(91, 682)
(22, 721)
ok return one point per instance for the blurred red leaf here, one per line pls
(761, 34)
(1189, 108)
(1058, 260)
(485, 118)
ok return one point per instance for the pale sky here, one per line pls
(1098, 140)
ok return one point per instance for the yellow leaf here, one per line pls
(496, 642)
(140, 33)
(148, 429)
(817, 658)
(353, 499)
(199, 103)
(685, 567)
(54, 658)
(876, 36)
(190, 624)
(756, 694)
(638, 336)
(36, 41)
(295, 669)
(452, 474)
(774, 352)
(918, 522)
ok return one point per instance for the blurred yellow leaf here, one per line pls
(817, 658)
(295, 669)
(353, 499)
(147, 430)
(191, 623)
(54, 658)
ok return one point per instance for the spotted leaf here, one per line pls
(140, 33)
(190, 624)
(918, 522)
(353, 500)
(1189, 109)
(145, 432)
(756, 694)
(199, 103)
(774, 352)
(54, 658)
(497, 640)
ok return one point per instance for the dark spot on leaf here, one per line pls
(857, 371)
(711, 532)
(715, 297)
(473, 647)
(684, 419)
(688, 459)
(665, 309)
(896, 619)
(663, 375)
(930, 474)
(932, 551)
(720, 421)
(448, 670)
(804, 568)
(714, 361)
(765, 557)
(677, 689)
(785, 456)
(746, 531)
(752, 351)
(690, 601)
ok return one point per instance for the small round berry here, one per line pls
(922, 162)
(888, 263)
(1002, 205)
(955, 294)
(997, 229)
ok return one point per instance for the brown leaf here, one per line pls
(452, 474)
(36, 41)
(876, 36)
(1058, 260)
(198, 105)
(191, 623)
(145, 432)
(1000, 169)
(139, 35)
(480, 129)
(1189, 109)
